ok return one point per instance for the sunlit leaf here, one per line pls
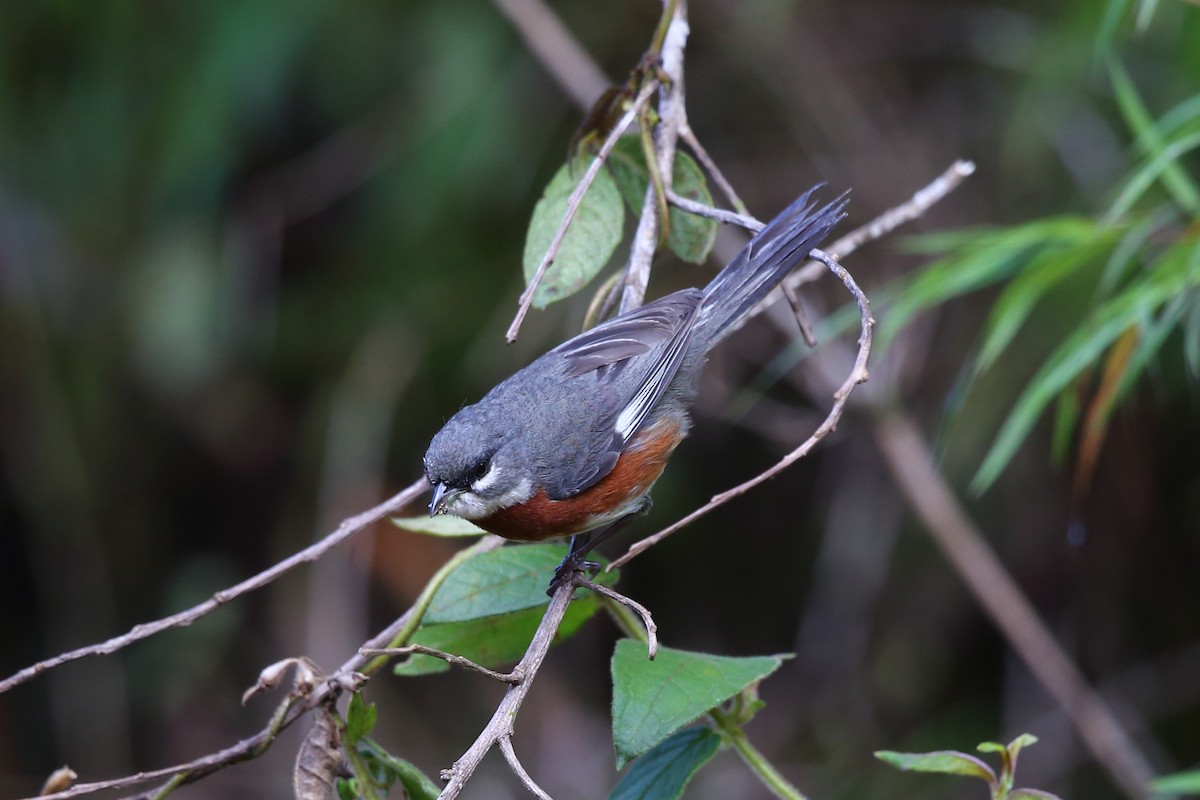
(663, 772)
(653, 699)
(593, 235)
(441, 525)
(499, 581)
(491, 641)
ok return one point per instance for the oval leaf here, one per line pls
(653, 699)
(949, 762)
(664, 772)
(441, 525)
(691, 236)
(591, 238)
(491, 641)
(497, 582)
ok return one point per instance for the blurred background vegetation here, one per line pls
(253, 254)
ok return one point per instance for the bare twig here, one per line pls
(889, 220)
(514, 763)
(689, 137)
(635, 606)
(721, 215)
(911, 464)
(858, 374)
(449, 658)
(672, 114)
(573, 203)
(801, 315)
(501, 723)
(348, 528)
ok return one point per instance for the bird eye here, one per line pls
(479, 470)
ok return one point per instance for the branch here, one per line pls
(573, 203)
(501, 724)
(672, 115)
(514, 763)
(449, 658)
(345, 530)
(721, 215)
(858, 374)
(633, 605)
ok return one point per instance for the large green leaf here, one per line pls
(653, 699)
(491, 641)
(691, 236)
(497, 582)
(590, 240)
(664, 772)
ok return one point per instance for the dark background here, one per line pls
(253, 254)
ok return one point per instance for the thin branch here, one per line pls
(348, 528)
(858, 374)
(888, 221)
(689, 137)
(806, 330)
(514, 763)
(672, 114)
(449, 658)
(635, 606)
(911, 463)
(573, 203)
(501, 723)
(721, 215)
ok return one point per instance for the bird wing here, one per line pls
(661, 330)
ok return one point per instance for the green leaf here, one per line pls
(590, 240)
(653, 699)
(1080, 351)
(1150, 139)
(416, 785)
(1139, 181)
(360, 719)
(499, 581)
(1042, 273)
(1178, 783)
(1032, 794)
(950, 762)
(664, 771)
(691, 236)
(441, 525)
(491, 641)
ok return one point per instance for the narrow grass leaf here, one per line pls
(1179, 783)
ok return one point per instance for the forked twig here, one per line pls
(574, 201)
(633, 605)
(858, 374)
(515, 765)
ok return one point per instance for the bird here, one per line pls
(571, 445)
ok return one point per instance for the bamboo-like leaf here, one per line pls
(1141, 179)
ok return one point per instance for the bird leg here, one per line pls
(583, 543)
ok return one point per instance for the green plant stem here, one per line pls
(664, 22)
(724, 722)
(366, 782)
(756, 761)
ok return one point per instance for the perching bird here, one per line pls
(574, 442)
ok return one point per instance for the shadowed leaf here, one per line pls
(663, 772)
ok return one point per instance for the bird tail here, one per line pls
(773, 252)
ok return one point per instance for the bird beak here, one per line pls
(438, 504)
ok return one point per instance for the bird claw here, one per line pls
(574, 564)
